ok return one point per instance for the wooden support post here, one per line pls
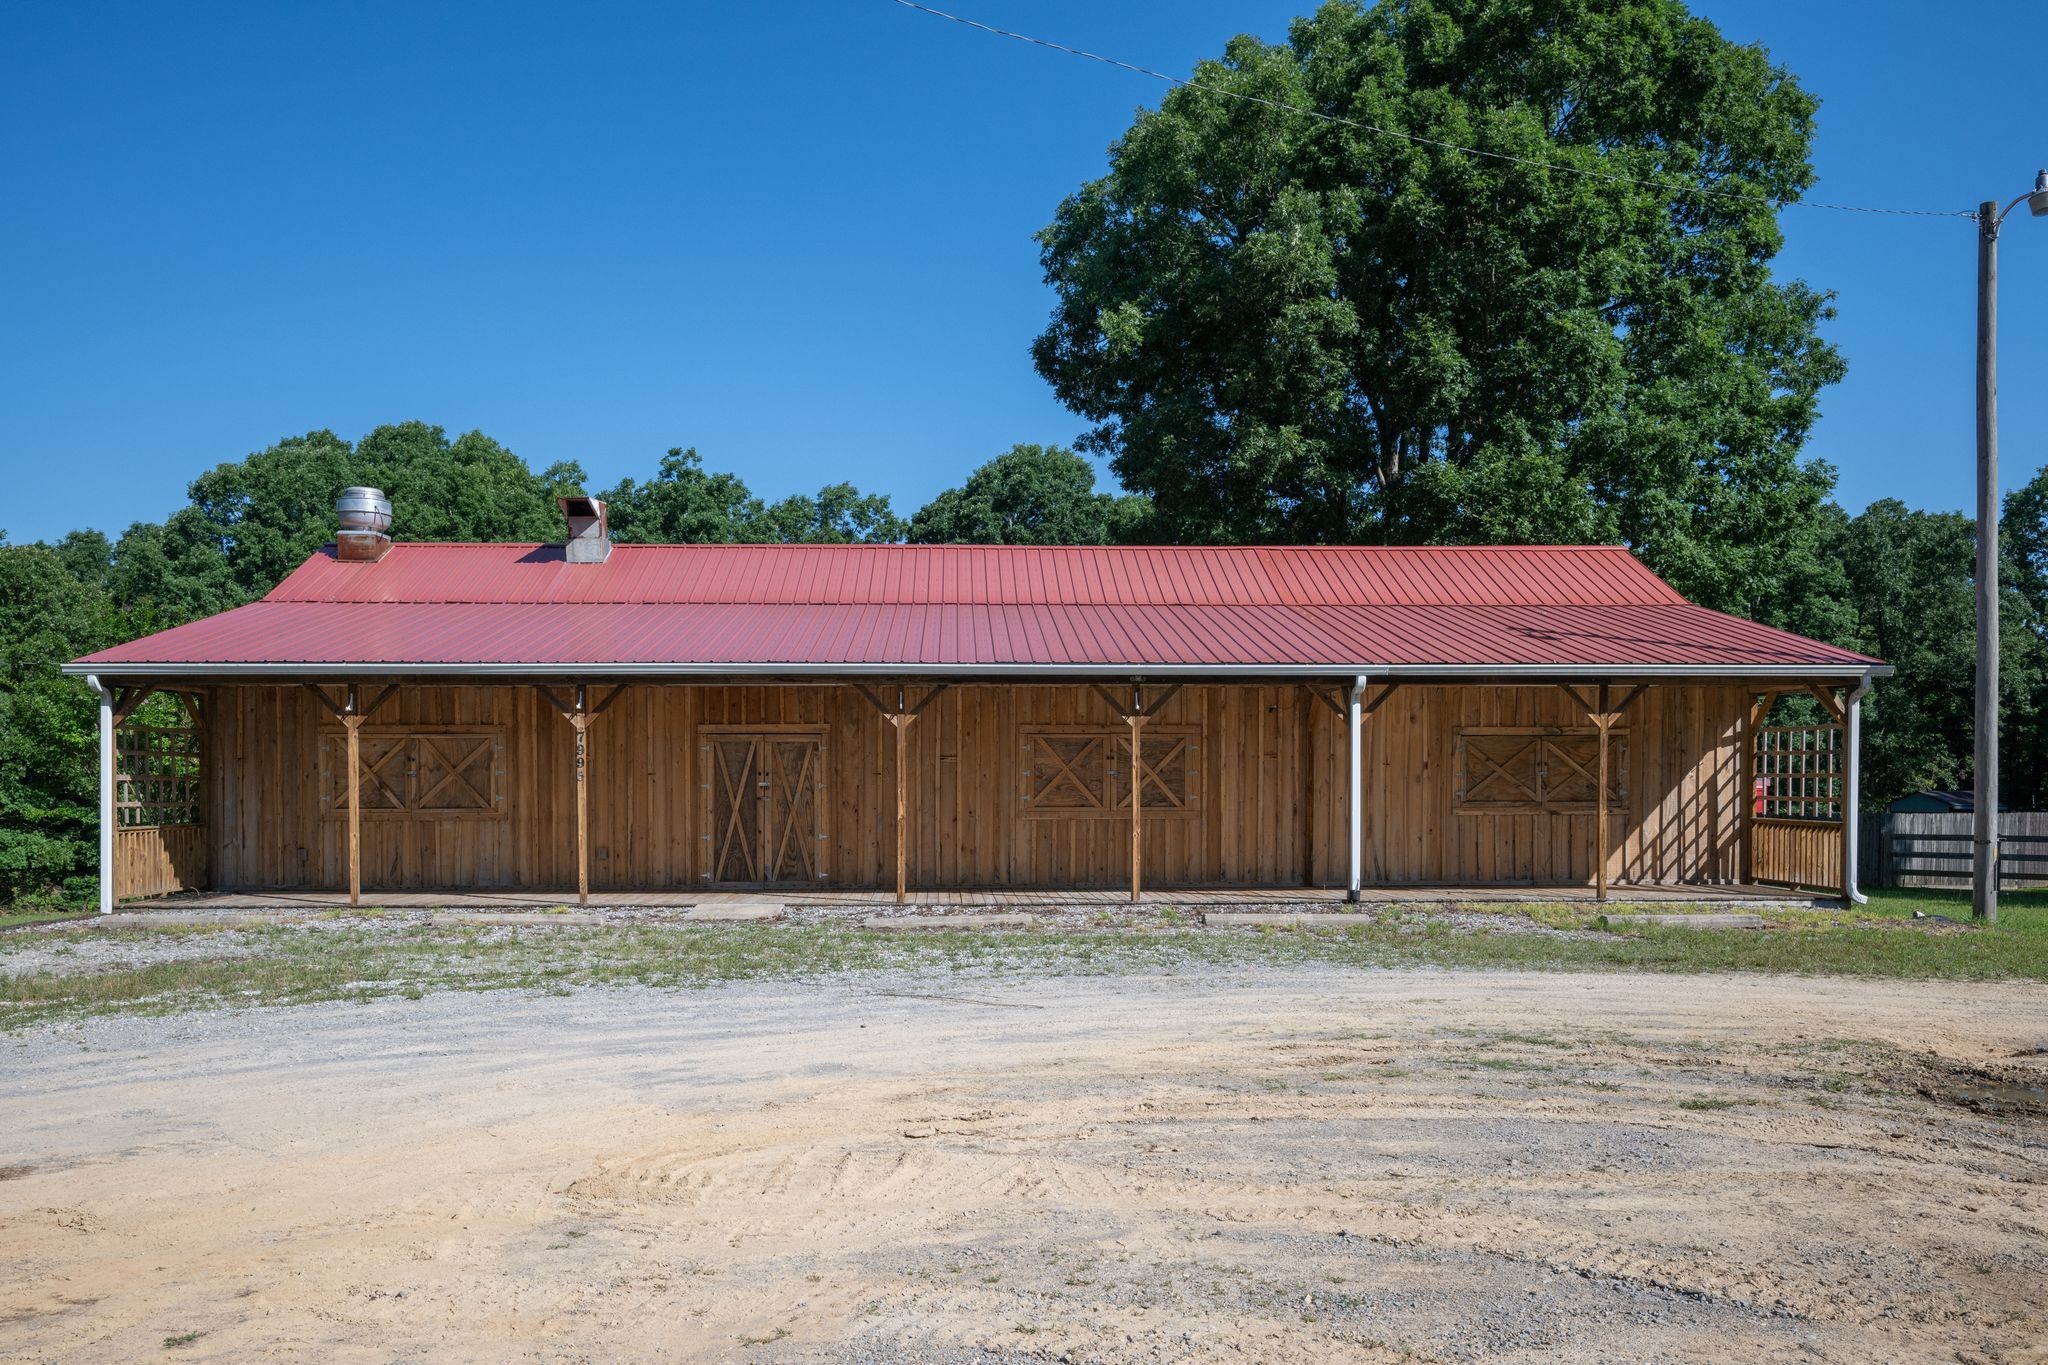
(1304, 756)
(1136, 720)
(1135, 715)
(352, 721)
(352, 713)
(579, 719)
(901, 719)
(900, 716)
(1603, 722)
(580, 713)
(1354, 808)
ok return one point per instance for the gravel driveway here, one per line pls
(1299, 1163)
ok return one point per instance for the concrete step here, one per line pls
(734, 914)
(1707, 920)
(569, 920)
(1284, 919)
(949, 921)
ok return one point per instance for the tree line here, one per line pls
(1429, 271)
(1890, 581)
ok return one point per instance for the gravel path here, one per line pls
(1302, 1163)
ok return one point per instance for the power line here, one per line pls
(1418, 138)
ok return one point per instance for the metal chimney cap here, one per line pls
(363, 509)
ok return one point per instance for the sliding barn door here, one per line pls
(763, 794)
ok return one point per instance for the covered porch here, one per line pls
(971, 791)
(1189, 898)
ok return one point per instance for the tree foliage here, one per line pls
(685, 504)
(1031, 495)
(249, 522)
(1296, 329)
(49, 812)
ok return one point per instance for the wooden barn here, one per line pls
(586, 719)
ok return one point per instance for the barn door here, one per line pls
(762, 801)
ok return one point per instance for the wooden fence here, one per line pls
(1935, 850)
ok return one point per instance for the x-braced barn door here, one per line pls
(762, 797)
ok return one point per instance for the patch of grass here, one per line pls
(14, 919)
(1503, 1064)
(337, 960)
(1549, 914)
(1708, 1104)
(1537, 1039)
(769, 1340)
(181, 1339)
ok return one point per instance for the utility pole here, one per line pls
(1984, 794)
(1984, 797)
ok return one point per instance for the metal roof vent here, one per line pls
(590, 540)
(365, 517)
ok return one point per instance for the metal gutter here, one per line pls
(106, 696)
(908, 668)
(1355, 719)
(1851, 797)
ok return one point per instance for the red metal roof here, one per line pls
(740, 608)
(984, 575)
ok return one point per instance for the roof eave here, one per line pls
(1848, 669)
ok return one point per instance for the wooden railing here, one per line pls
(1796, 852)
(155, 860)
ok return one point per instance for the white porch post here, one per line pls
(1356, 807)
(1851, 806)
(106, 696)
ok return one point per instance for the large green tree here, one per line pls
(1905, 590)
(684, 503)
(1293, 328)
(249, 522)
(1031, 495)
(467, 489)
(49, 811)
(839, 514)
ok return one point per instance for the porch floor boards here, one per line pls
(1619, 894)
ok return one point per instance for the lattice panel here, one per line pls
(157, 778)
(1799, 772)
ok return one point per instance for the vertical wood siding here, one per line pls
(1267, 782)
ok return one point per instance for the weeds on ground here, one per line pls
(18, 917)
(340, 961)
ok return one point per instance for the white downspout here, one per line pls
(106, 696)
(1356, 808)
(1850, 804)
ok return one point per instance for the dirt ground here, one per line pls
(1266, 1164)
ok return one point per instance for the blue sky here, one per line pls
(796, 236)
